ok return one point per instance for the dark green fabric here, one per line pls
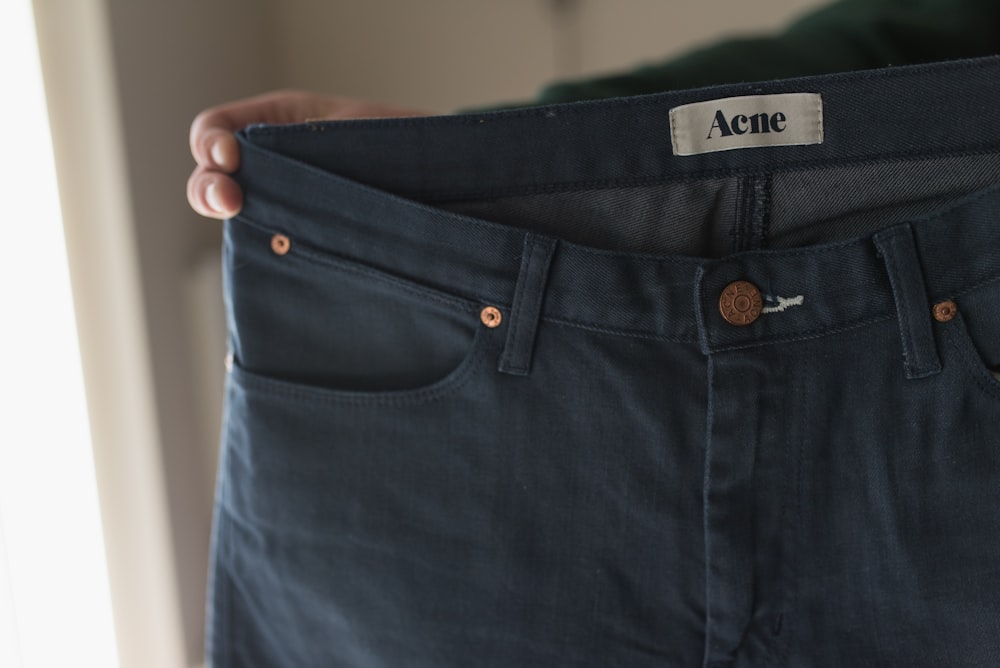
(844, 36)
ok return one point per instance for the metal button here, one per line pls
(280, 244)
(741, 303)
(945, 311)
(491, 316)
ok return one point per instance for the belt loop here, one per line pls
(527, 304)
(898, 250)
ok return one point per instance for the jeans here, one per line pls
(536, 388)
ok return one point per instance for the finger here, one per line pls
(219, 150)
(213, 194)
(210, 138)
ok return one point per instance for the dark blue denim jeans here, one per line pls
(526, 388)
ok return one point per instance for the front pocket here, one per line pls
(975, 334)
(308, 321)
(465, 371)
(986, 377)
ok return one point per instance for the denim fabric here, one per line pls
(616, 475)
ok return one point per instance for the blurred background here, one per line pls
(111, 370)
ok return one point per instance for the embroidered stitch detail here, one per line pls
(783, 304)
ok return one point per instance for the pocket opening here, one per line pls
(451, 381)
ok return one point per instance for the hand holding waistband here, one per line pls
(209, 190)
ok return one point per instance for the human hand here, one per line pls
(210, 191)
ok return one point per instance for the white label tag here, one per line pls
(789, 119)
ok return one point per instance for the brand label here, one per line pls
(789, 119)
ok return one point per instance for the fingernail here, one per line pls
(218, 155)
(212, 197)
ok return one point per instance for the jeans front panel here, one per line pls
(654, 486)
(900, 507)
(387, 528)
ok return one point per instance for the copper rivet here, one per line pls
(280, 244)
(945, 311)
(491, 316)
(741, 303)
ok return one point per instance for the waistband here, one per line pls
(363, 190)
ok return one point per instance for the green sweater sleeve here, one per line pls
(847, 35)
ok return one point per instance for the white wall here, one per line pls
(447, 54)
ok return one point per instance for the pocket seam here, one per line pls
(981, 284)
(980, 374)
(334, 262)
(436, 390)
(363, 271)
